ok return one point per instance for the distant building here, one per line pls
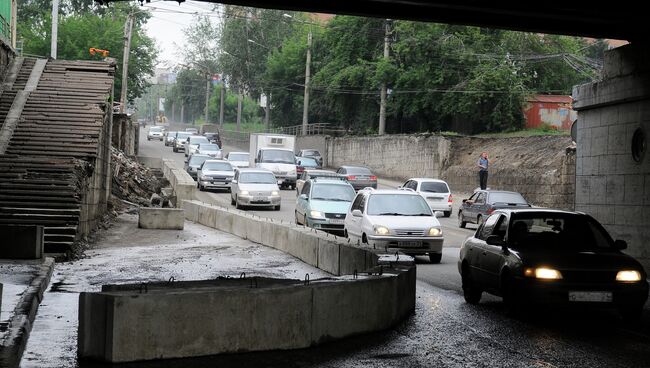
(8, 16)
(163, 76)
(553, 110)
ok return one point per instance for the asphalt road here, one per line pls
(445, 331)
(444, 275)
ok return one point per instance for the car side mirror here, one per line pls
(620, 244)
(357, 213)
(439, 214)
(304, 196)
(495, 240)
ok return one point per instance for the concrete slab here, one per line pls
(191, 210)
(161, 218)
(328, 256)
(21, 242)
(303, 245)
(352, 259)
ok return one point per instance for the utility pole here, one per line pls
(128, 27)
(239, 102)
(221, 101)
(55, 28)
(207, 97)
(267, 113)
(382, 103)
(305, 108)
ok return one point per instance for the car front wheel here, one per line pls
(435, 257)
(447, 213)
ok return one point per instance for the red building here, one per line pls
(554, 110)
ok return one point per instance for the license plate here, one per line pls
(409, 244)
(337, 221)
(259, 199)
(218, 182)
(433, 199)
(590, 296)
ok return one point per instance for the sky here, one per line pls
(167, 24)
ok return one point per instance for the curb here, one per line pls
(20, 325)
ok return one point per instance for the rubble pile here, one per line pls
(132, 181)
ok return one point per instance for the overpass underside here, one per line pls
(55, 121)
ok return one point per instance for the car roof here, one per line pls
(329, 181)
(496, 191)
(429, 179)
(320, 171)
(198, 155)
(537, 210)
(253, 170)
(354, 167)
(217, 161)
(240, 152)
(389, 191)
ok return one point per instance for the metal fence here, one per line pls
(242, 138)
(5, 30)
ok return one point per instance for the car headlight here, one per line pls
(434, 231)
(381, 230)
(203, 177)
(316, 214)
(543, 273)
(243, 192)
(274, 193)
(628, 276)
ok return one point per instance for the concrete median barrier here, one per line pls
(126, 323)
(328, 256)
(183, 184)
(161, 218)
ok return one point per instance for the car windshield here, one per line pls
(505, 197)
(198, 140)
(398, 205)
(182, 135)
(197, 160)
(434, 187)
(332, 192)
(238, 157)
(278, 156)
(217, 166)
(311, 153)
(171, 134)
(208, 147)
(566, 232)
(257, 178)
(358, 171)
(307, 162)
(155, 129)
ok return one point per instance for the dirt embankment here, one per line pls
(541, 168)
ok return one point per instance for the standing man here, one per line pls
(483, 163)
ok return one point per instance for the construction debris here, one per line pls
(135, 182)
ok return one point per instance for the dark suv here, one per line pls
(482, 203)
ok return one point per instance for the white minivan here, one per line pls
(435, 191)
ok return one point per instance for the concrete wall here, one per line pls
(161, 218)
(183, 184)
(610, 184)
(6, 55)
(210, 317)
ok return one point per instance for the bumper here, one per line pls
(326, 225)
(359, 186)
(558, 293)
(262, 201)
(286, 179)
(211, 184)
(179, 148)
(408, 245)
(442, 206)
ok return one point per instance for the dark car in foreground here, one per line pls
(482, 203)
(551, 257)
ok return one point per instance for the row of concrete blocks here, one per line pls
(183, 184)
(176, 320)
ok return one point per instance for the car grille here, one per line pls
(588, 276)
(335, 215)
(222, 178)
(260, 194)
(410, 232)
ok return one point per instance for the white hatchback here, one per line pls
(395, 220)
(435, 191)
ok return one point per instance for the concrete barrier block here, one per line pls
(191, 210)
(352, 307)
(21, 241)
(254, 229)
(352, 259)
(303, 245)
(404, 297)
(267, 228)
(207, 216)
(328, 256)
(224, 220)
(239, 225)
(177, 324)
(161, 218)
(280, 236)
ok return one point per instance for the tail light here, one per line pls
(450, 198)
(373, 177)
(352, 177)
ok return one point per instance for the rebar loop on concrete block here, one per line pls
(306, 279)
(354, 274)
(242, 275)
(171, 280)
